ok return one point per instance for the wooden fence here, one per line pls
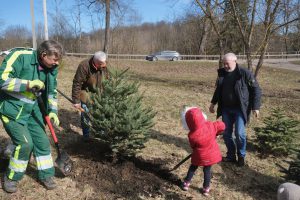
(192, 57)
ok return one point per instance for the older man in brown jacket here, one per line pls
(88, 77)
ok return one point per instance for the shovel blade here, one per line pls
(64, 163)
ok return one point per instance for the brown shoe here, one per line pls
(9, 185)
(49, 183)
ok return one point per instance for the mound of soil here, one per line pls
(131, 178)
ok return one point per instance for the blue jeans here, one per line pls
(234, 116)
(85, 121)
(206, 172)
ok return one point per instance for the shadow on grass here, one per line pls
(182, 143)
(3, 161)
(249, 181)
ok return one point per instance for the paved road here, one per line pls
(280, 63)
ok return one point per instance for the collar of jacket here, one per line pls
(34, 59)
(92, 66)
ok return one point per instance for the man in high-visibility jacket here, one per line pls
(20, 72)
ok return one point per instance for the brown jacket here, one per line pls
(87, 78)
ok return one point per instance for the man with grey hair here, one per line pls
(22, 73)
(88, 78)
(237, 93)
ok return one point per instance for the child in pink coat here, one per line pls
(202, 137)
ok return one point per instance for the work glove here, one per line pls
(54, 117)
(37, 84)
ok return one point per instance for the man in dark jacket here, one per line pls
(88, 78)
(237, 93)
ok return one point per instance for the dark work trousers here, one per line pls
(206, 172)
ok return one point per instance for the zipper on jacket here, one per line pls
(20, 112)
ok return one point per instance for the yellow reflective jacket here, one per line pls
(16, 70)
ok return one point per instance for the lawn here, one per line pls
(167, 86)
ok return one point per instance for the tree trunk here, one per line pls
(204, 37)
(221, 48)
(249, 58)
(107, 25)
(261, 57)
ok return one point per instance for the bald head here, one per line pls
(229, 62)
(230, 56)
(100, 56)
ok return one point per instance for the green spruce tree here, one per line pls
(278, 136)
(118, 116)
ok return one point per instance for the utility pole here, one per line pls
(33, 25)
(45, 19)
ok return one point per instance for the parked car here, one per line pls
(4, 53)
(164, 55)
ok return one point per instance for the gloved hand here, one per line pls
(35, 84)
(55, 118)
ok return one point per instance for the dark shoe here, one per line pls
(9, 185)
(241, 161)
(226, 159)
(49, 183)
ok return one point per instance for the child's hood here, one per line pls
(193, 118)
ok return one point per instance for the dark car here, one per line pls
(164, 55)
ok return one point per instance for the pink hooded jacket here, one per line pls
(202, 138)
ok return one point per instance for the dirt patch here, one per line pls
(131, 178)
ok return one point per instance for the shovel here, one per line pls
(180, 163)
(63, 161)
(71, 101)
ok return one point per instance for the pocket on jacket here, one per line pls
(12, 110)
(245, 93)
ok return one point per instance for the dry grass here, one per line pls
(167, 86)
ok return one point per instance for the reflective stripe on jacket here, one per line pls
(16, 70)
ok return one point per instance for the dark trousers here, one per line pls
(206, 172)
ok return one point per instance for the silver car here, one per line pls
(164, 55)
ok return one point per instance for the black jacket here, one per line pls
(246, 88)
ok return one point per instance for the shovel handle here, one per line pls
(69, 99)
(44, 113)
(48, 121)
(181, 162)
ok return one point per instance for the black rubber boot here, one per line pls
(9, 185)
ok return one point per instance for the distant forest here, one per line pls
(200, 32)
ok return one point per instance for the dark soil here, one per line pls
(130, 178)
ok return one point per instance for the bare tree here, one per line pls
(211, 11)
(15, 36)
(270, 27)
(107, 5)
(245, 29)
(76, 17)
(107, 25)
